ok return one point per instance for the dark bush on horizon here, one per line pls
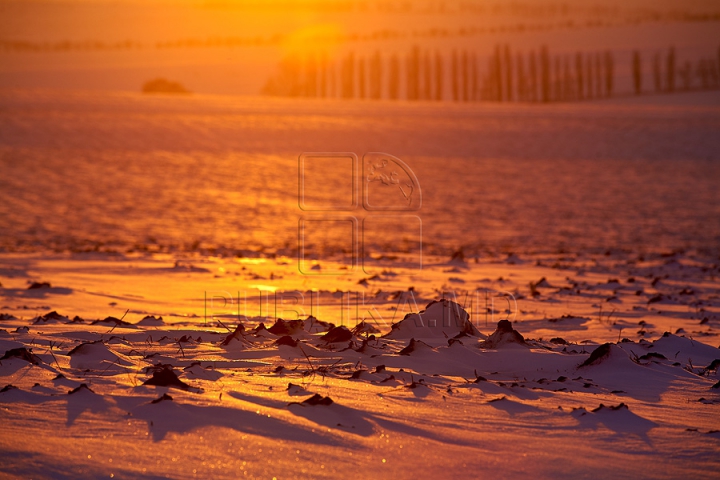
(161, 85)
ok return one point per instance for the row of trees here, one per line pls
(703, 74)
(542, 77)
(537, 76)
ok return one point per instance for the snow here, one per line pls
(562, 320)
(234, 396)
(441, 319)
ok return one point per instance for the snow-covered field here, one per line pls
(542, 299)
(614, 373)
(147, 239)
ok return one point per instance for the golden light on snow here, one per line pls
(264, 288)
(216, 258)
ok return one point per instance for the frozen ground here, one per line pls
(121, 171)
(596, 388)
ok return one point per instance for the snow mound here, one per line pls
(287, 327)
(286, 340)
(151, 321)
(366, 349)
(236, 337)
(313, 325)
(504, 335)
(416, 347)
(296, 390)
(23, 354)
(114, 322)
(262, 332)
(165, 376)
(316, 399)
(94, 355)
(610, 357)
(685, 350)
(365, 328)
(52, 317)
(337, 335)
(617, 418)
(440, 319)
(81, 389)
(197, 371)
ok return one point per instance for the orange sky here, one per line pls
(231, 46)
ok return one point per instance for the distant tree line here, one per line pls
(540, 76)
(668, 75)
(535, 76)
(162, 85)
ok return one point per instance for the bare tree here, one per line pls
(413, 74)
(521, 79)
(657, 73)
(685, 74)
(454, 77)
(508, 74)
(323, 75)
(465, 76)
(361, 77)
(348, 77)
(474, 90)
(609, 73)
(671, 70)
(497, 70)
(637, 72)
(545, 73)
(394, 78)
(311, 89)
(427, 77)
(579, 75)
(438, 76)
(557, 84)
(376, 76)
(598, 75)
(533, 72)
(590, 75)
